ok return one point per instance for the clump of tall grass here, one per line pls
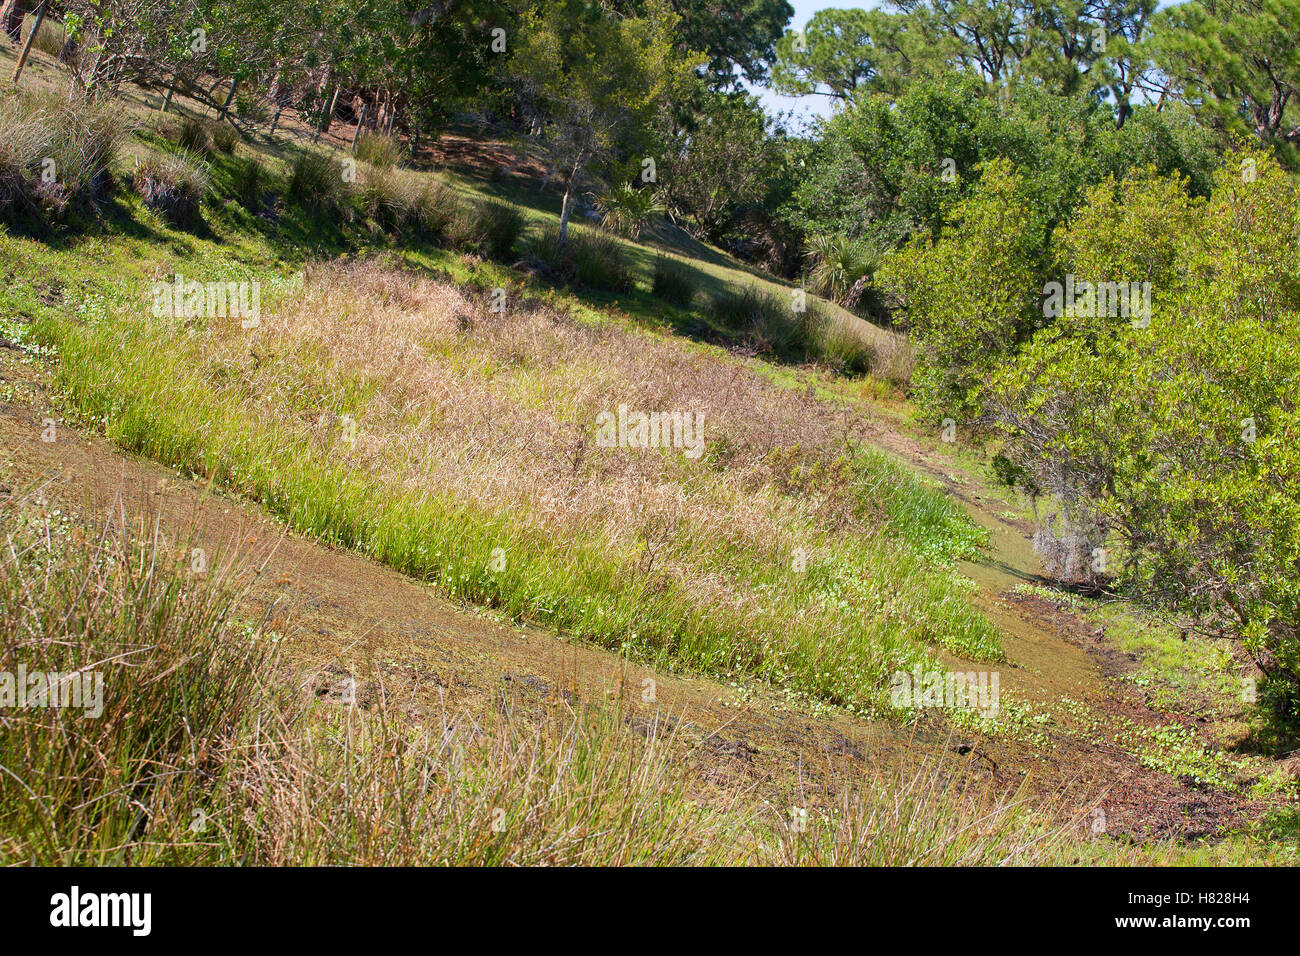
(198, 749)
(432, 206)
(316, 183)
(122, 610)
(379, 150)
(762, 320)
(486, 226)
(251, 184)
(172, 185)
(50, 37)
(193, 136)
(593, 260)
(838, 340)
(201, 746)
(55, 153)
(225, 137)
(670, 557)
(673, 282)
(383, 199)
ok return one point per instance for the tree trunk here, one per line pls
(31, 37)
(225, 107)
(566, 207)
(357, 132)
(14, 12)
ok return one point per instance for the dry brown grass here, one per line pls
(501, 408)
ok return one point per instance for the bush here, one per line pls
(487, 226)
(225, 138)
(673, 282)
(1168, 436)
(627, 211)
(380, 151)
(837, 264)
(172, 186)
(972, 294)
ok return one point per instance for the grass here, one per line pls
(55, 154)
(379, 150)
(473, 441)
(682, 562)
(687, 563)
(209, 751)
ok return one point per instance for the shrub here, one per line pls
(173, 186)
(225, 138)
(1168, 436)
(380, 151)
(838, 263)
(972, 294)
(627, 211)
(673, 282)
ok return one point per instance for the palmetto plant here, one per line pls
(837, 263)
(627, 211)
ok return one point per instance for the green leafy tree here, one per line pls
(1236, 60)
(600, 83)
(971, 294)
(845, 54)
(1170, 438)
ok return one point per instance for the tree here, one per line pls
(737, 36)
(599, 82)
(720, 158)
(1237, 61)
(845, 54)
(1170, 438)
